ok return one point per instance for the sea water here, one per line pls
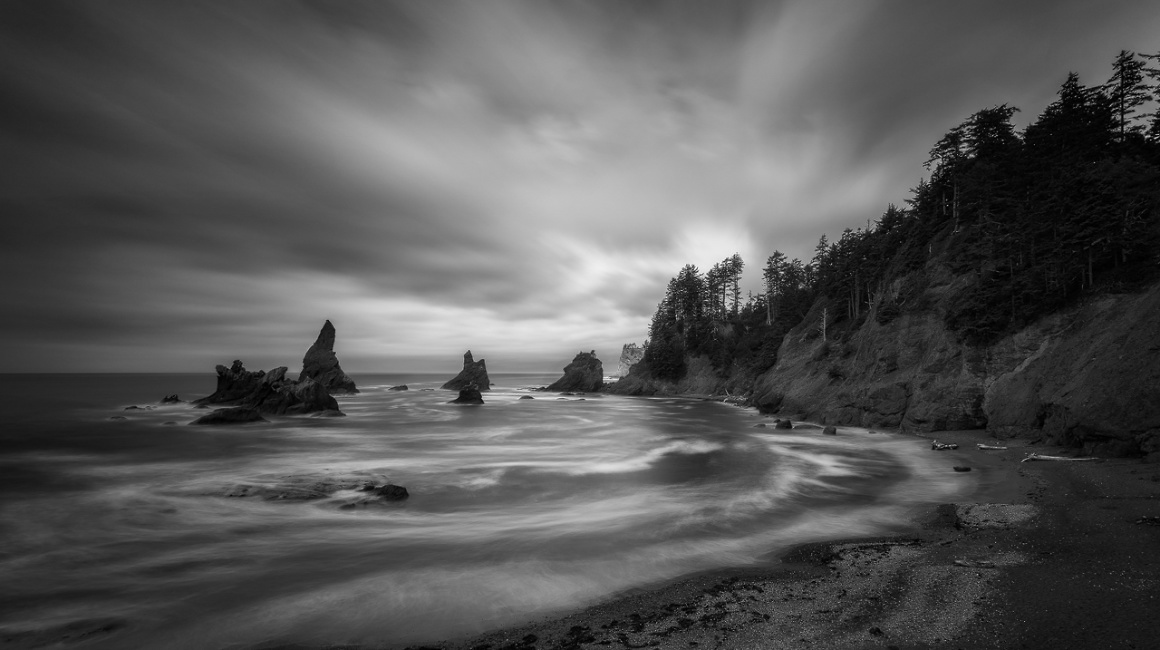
(118, 528)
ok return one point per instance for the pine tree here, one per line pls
(1127, 90)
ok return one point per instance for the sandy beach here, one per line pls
(1042, 555)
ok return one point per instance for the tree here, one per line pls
(1153, 73)
(773, 275)
(1127, 90)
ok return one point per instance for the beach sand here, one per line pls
(1042, 555)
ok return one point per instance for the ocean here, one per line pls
(128, 528)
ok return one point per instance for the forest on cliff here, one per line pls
(1029, 220)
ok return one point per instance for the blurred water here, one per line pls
(517, 507)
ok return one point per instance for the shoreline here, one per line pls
(1001, 567)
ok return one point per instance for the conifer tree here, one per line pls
(1128, 91)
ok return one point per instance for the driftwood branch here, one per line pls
(982, 446)
(939, 446)
(1043, 457)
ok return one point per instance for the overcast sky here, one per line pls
(187, 183)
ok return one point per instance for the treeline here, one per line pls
(1024, 221)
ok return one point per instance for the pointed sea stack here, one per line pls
(321, 364)
(584, 375)
(474, 372)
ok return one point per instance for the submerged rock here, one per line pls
(321, 364)
(585, 374)
(311, 487)
(474, 372)
(388, 492)
(468, 395)
(235, 415)
(399, 387)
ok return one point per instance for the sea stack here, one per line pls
(321, 365)
(584, 375)
(474, 372)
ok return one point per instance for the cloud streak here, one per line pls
(211, 180)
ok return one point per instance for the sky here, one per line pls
(189, 183)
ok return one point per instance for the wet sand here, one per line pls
(1041, 555)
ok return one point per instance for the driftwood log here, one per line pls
(982, 446)
(1043, 457)
(938, 446)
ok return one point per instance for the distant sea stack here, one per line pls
(584, 375)
(630, 355)
(474, 372)
(321, 365)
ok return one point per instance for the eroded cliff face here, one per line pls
(630, 355)
(1088, 376)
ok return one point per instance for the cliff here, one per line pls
(630, 355)
(1086, 376)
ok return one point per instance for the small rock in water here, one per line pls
(469, 395)
(170, 399)
(759, 425)
(391, 492)
(830, 430)
(399, 387)
(784, 424)
(962, 468)
(526, 397)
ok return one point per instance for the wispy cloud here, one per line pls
(209, 180)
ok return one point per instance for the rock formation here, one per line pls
(630, 355)
(468, 395)
(474, 372)
(321, 364)
(233, 384)
(269, 393)
(585, 374)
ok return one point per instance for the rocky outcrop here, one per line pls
(630, 355)
(585, 374)
(1084, 377)
(468, 395)
(268, 393)
(233, 384)
(700, 378)
(474, 372)
(321, 365)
